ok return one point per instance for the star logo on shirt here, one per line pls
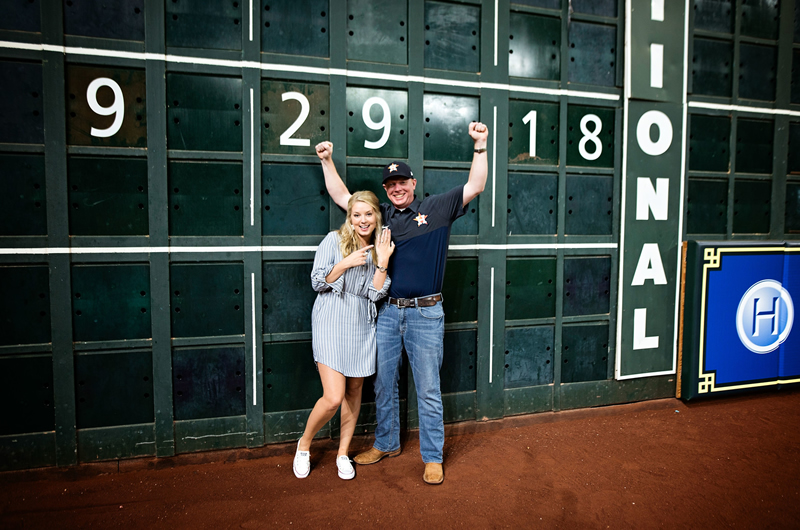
(392, 168)
(421, 219)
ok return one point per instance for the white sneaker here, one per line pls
(346, 470)
(302, 463)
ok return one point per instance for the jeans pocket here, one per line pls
(434, 312)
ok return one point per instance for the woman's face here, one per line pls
(362, 217)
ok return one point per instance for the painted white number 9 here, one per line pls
(117, 107)
(591, 136)
(385, 123)
(286, 137)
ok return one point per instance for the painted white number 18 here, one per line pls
(588, 136)
(117, 107)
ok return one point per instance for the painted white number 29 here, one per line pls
(117, 107)
(591, 136)
(305, 107)
(385, 123)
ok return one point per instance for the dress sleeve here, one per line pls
(324, 261)
(375, 295)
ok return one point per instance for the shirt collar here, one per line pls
(413, 207)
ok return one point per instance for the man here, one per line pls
(413, 317)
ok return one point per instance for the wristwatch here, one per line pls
(480, 150)
(382, 269)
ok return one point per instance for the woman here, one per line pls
(350, 276)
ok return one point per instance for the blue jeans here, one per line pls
(421, 331)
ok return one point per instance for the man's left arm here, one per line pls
(479, 169)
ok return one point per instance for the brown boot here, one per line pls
(373, 456)
(434, 474)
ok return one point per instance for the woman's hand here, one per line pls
(384, 247)
(357, 258)
(324, 150)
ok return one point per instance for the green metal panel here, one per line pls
(206, 299)
(293, 188)
(751, 211)
(795, 85)
(113, 443)
(529, 356)
(204, 112)
(757, 71)
(278, 116)
(707, 207)
(592, 54)
(586, 286)
(377, 32)
(447, 120)
(754, 146)
(205, 198)
(205, 24)
(297, 27)
(26, 388)
(452, 36)
(532, 203)
(208, 382)
(552, 4)
(110, 20)
(362, 139)
(366, 178)
(760, 18)
(114, 388)
(534, 46)
(22, 16)
(792, 220)
(530, 288)
(605, 8)
(110, 302)
(21, 108)
(458, 365)
(521, 133)
(589, 205)
(288, 297)
(713, 15)
(24, 305)
(793, 166)
(712, 71)
(211, 434)
(81, 119)
(584, 355)
(709, 143)
(27, 451)
(23, 205)
(290, 381)
(107, 196)
(594, 138)
(440, 181)
(460, 291)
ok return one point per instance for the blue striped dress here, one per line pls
(343, 318)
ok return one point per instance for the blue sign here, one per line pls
(747, 314)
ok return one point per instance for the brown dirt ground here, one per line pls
(732, 462)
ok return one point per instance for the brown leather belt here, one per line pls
(425, 301)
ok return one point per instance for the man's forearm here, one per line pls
(333, 182)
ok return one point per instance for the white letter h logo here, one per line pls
(766, 315)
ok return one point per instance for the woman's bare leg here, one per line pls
(351, 406)
(333, 392)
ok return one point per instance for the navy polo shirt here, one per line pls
(421, 234)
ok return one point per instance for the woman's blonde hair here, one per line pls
(348, 240)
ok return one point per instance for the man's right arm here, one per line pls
(336, 188)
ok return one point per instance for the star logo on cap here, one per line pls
(421, 219)
(392, 167)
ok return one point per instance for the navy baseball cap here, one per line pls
(397, 170)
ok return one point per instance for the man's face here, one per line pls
(400, 191)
